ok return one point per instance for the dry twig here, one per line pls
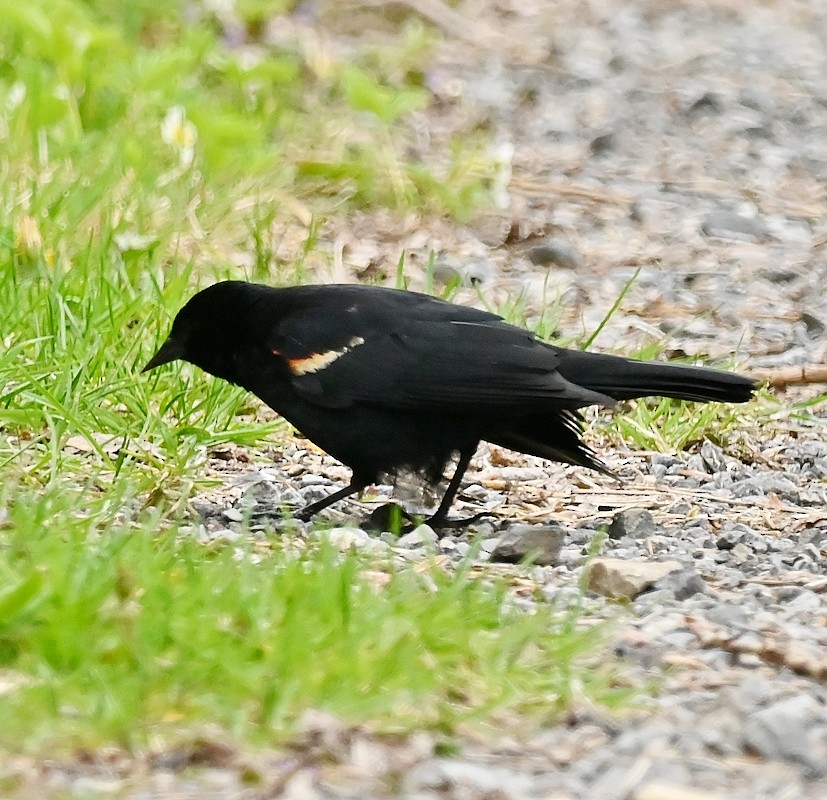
(792, 376)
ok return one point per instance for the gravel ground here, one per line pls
(687, 139)
(722, 565)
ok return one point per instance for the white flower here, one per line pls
(15, 96)
(179, 133)
(221, 8)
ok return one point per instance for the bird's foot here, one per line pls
(390, 517)
(394, 518)
(440, 523)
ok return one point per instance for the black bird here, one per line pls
(384, 379)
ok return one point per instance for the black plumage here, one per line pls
(384, 379)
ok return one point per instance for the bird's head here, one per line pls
(208, 329)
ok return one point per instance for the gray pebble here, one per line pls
(351, 538)
(557, 252)
(724, 224)
(728, 614)
(232, 514)
(713, 457)
(636, 523)
(420, 535)
(741, 553)
(760, 485)
(541, 543)
(683, 584)
(783, 732)
(603, 144)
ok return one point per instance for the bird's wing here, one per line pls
(429, 357)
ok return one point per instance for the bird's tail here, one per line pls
(624, 379)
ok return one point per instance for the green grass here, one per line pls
(112, 632)
(670, 426)
(140, 157)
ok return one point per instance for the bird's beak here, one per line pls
(170, 350)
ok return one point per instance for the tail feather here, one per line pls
(553, 436)
(625, 379)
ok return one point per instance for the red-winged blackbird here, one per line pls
(384, 379)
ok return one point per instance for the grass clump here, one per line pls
(110, 632)
(69, 376)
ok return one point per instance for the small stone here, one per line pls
(351, 539)
(388, 517)
(555, 251)
(225, 534)
(713, 457)
(477, 272)
(492, 228)
(804, 601)
(753, 693)
(261, 492)
(637, 523)
(766, 484)
(653, 601)
(643, 209)
(618, 578)
(815, 326)
(682, 583)
(489, 545)
(419, 536)
(474, 272)
(733, 533)
(695, 463)
(563, 596)
(308, 479)
(741, 553)
(665, 460)
(458, 778)
(603, 144)
(540, 543)
(445, 273)
(787, 593)
(232, 514)
(781, 732)
(814, 536)
(669, 790)
(708, 103)
(724, 224)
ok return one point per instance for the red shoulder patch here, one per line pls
(318, 361)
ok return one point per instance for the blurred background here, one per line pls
(540, 152)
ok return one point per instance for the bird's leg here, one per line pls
(307, 512)
(439, 519)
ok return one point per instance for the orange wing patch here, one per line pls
(318, 361)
